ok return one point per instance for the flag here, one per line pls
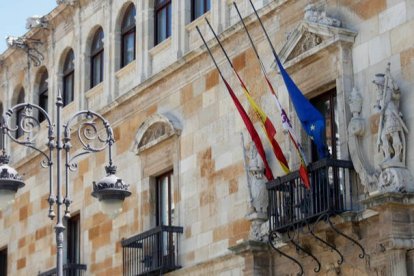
(311, 119)
(268, 127)
(252, 131)
(287, 126)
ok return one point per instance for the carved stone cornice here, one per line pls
(309, 38)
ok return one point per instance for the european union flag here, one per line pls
(312, 120)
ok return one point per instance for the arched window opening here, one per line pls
(97, 58)
(128, 36)
(19, 114)
(43, 94)
(68, 78)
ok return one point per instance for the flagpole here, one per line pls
(268, 128)
(248, 123)
(264, 30)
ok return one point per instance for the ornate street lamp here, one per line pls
(94, 135)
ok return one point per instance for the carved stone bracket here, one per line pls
(27, 45)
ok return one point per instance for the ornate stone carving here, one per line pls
(312, 14)
(307, 42)
(257, 193)
(37, 22)
(154, 130)
(67, 2)
(27, 45)
(391, 174)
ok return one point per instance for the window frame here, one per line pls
(43, 95)
(73, 237)
(160, 195)
(68, 75)
(159, 6)
(19, 113)
(97, 53)
(3, 261)
(206, 3)
(331, 97)
(127, 31)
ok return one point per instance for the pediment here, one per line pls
(154, 130)
(309, 37)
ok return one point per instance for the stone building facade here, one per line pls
(177, 138)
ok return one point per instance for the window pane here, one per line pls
(97, 67)
(161, 25)
(68, 89)
(129, 48)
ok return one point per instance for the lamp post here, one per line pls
(94, 135)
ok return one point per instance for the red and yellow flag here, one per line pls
(252, 131)
(303, 171)
(268, 127)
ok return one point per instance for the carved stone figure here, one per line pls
(258, 197)
(390, 173)
(312, 14)
(392, 129)
(257, 181)
(36, 22)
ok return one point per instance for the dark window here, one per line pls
(19, 114)
(68, 78)
(327, 105)
(165, 200)
(97, 58)
(43, 94)
(162, 20)
(73, 240)
(128, 36)
(199, 7)
(3, 262)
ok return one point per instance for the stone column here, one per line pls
(109, 72)
(396, 262)
(256, 257)
(410, 262)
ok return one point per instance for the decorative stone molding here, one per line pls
(312, 14)
(37, 22)
(156, 129)
(314, 33)
(391, 173)
(67, 2)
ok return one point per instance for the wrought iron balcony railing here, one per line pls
(292, 205)
(152, 252)
(68, 270)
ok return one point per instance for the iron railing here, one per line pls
(292, 205)
(68, 270)
(152, 252)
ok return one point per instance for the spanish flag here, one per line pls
(268, 127)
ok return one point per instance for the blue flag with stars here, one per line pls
(312, 120)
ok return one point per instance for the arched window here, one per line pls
(43, 94)
(19, 113)
(68, 78)
(97, 58)
(128, 36)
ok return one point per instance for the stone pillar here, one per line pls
(256, 257)
(396, 262)
(410, 262)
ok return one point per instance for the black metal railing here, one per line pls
(292, 205)
(152, 252)
(68, 270)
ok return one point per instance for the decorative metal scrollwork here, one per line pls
(273, 237)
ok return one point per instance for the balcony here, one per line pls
(291, 205)
(68, 270)
(152, 252)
